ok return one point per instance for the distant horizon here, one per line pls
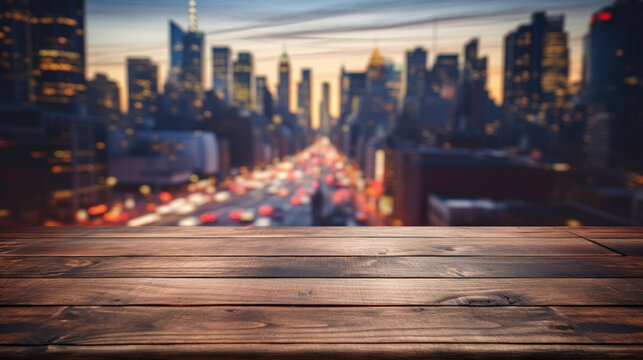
(320, 35)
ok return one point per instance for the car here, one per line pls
(283, 192)
(185, 209)
(248, 215)
(296, 200)
(189, 221)
(265, 210)
(222, 196)
(235, 214)
(208, 217)
(262, 221)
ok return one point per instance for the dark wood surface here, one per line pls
(321, 293)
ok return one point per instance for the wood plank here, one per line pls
(62, 325)
(411, 351)
(281, 232)
(631, 247)
(254, 246)
(612, 232)
(326, 267)
(320, 292)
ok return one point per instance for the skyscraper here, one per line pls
(376, 74)
(176, 54)
(613, 80)
(473, 99)
(304, 97)
(283, 87)
(444, 76)
(59, 60)
(103, 98)
(142, 86)
(352, 89)
(183, 96)
(46, 43)
(324, 110)
(536, 69)
(192, 74)
(475, 68)
(243, 81)
(16, 65)
(415, 75)
(260, 84)
(221, 73)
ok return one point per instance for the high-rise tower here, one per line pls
(283, 88)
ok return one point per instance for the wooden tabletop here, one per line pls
(321, 293)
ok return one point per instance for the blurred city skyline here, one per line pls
(321, 113)
(322, 36)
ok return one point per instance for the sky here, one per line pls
(320, 34)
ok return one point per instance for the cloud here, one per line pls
(490, 14)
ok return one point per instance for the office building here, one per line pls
(324, 110)
(304, 97)
(142, 90)
(536, 70)
(415, 75)
(222, 73)
(613, 79)
(283, 87)
(243, 81)
(44, 43)
(103, 98)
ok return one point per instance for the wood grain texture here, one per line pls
(630, 247)
(321, 293)
(316, 292)
(116, 325)
(281, 232)
(253, 246)
(322, 267)
(409, 351)
(621, 232)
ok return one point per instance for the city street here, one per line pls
(280, 195)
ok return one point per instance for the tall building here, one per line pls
(142, 89)
(192, 65)
(536, 69)
(304, 97)
(103, 98)
(473, 101)
(415, 75)
(613, 81)
(56, 165)
(283, 87)
(444, 76)
(376, 74)
(352, 89)
(16, 63)
(324, 110)
(260, 87)
(44, 43)
(176, 54)
(59, 60)
(394, 79)
(221, 73)
(243, 81)
(182, 100)
(475, 67)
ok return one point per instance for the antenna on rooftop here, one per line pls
(192, 16)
